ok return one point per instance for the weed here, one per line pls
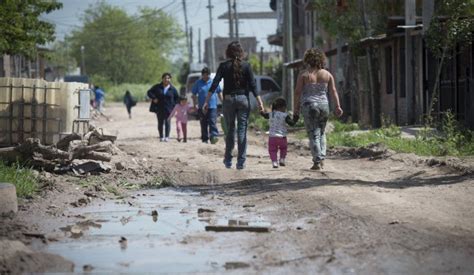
(128, 185)
(22, 177)
(113, 190)
(258, 122)
(159, 182)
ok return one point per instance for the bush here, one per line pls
(258, 122)
(22, 177)
(116, 93)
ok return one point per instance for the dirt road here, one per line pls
(392, 215)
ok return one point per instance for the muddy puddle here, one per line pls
(152, 231)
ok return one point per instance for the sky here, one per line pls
(69, 17)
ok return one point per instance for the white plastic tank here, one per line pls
(37, 108)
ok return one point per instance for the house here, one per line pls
(249, 44)
(400, 103)
(20, 66)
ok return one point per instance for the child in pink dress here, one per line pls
(180, 111)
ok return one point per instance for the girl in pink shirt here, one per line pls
(180, 111)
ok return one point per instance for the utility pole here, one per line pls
(410, 20)
(187, 34)
(231, 20)
(428, 10)
(212, 51)
(190, 45)
(261, 60)
(236, 18)
(199, 45)
(83, 62)
(288, 53)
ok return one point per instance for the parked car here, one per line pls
(266, 87)
(268, 90)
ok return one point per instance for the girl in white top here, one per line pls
(278, 131)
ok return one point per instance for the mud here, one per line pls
(395, 214)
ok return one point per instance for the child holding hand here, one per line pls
(180, 111)
(279, 119)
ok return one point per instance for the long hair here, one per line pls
(235, 52)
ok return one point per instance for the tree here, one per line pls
(21, 30)
(452, 26)
(61, 58)
(125, 48)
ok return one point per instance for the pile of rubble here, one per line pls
(73, 153)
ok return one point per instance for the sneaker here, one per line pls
(240, 166)
(282, 162)
(227, 164)
(162, 139)
(275, 164)
(185, 140)
(179, 140)
(167, 139)
(316, 166)
(214, 140)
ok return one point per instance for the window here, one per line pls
(388, 70)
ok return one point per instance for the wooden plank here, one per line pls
(237, 228)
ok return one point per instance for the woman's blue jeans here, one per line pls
(236, 107)
(315, 118)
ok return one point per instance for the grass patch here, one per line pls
(113, 190)
(159, 182)
(22, 177)
(116, 92)
(256, 121)
(454, 140)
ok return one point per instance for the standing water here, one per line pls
(116, 236)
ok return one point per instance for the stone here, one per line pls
(8, 200)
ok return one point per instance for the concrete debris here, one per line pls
(154, 215)
(87, 268)
(204, 210)
(8, 201)
(119, 166)
(123, 243)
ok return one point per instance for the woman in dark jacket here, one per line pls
(238, 82)
(164, 97)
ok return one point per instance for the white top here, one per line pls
(165, 90)
(315, 93)
(278, 126)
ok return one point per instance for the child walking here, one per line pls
(129, 102)
(278, 131)
(180, 111)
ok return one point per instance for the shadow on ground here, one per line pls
(265, 185)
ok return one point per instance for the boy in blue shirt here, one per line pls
(208, 119)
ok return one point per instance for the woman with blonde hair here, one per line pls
(311, 97)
